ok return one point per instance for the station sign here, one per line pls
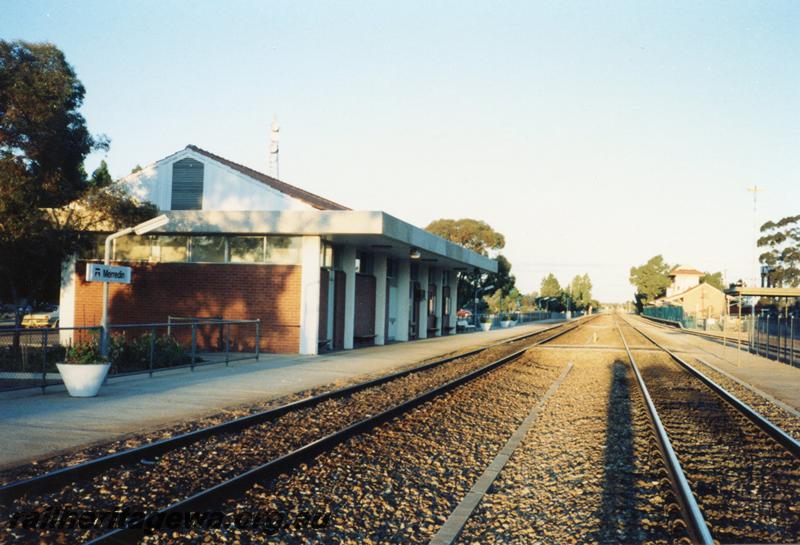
(97, 272)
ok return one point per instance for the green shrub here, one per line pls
(130, 355)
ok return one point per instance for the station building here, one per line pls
(243, 245)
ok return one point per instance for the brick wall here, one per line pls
(268, 292)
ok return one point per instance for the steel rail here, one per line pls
(60, 477)
(306, 454)
(776, 433)
(695, 523)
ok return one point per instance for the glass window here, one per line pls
(208, 249)
(246, 249)
(173, 249)
(132, 248)
(283, 250)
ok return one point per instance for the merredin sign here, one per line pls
(96, 272)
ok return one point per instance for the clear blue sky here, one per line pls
(593, 135)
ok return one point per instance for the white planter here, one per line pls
(486, 326)
(505, 323)
(83, 379)
(513, 323)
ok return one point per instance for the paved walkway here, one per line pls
(38, 425)
(779, 380)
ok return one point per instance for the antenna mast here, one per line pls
(754, 189)
(274, 148)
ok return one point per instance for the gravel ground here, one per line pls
(774, 413)
(398, 483)
(600, 331)
(747, 486)
(73, 457)
(588, 471)
(179, 473)
(769, 410)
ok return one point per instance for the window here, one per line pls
(283, 250)
(187, 185)
(173, 249)
(246, 249)
(208, 249)
(132, 248)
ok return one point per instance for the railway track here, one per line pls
(588, 470)
(684, 460)
(205, 466)
(736, 473)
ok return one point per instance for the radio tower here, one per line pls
(754, 189)
(274, 148)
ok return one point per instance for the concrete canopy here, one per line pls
(371, 230)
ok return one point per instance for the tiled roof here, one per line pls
(685, 270)
(316, 201)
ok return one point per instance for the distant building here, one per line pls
(683, 278)
(241, 244)
(698, 300)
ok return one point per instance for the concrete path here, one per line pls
(36, 425)
(779, 380)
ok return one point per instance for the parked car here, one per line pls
(46, 317)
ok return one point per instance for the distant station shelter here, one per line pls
(243, 245)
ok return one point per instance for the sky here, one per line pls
(593, 135)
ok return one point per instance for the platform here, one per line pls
(35, 425)
(779, 380)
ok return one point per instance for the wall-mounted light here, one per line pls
(415, 253)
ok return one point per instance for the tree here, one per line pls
(580, 291)
(502, 279)
(479, 237)
(476, 235)
(45, 197)
(714, 279)
(650, 280)
(101, 177)
(782, 241)
(136, 169)
(550, 287)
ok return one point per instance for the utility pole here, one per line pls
(754, 189)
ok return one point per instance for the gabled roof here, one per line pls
(681, 295)
(316, 201)
(680, 269)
